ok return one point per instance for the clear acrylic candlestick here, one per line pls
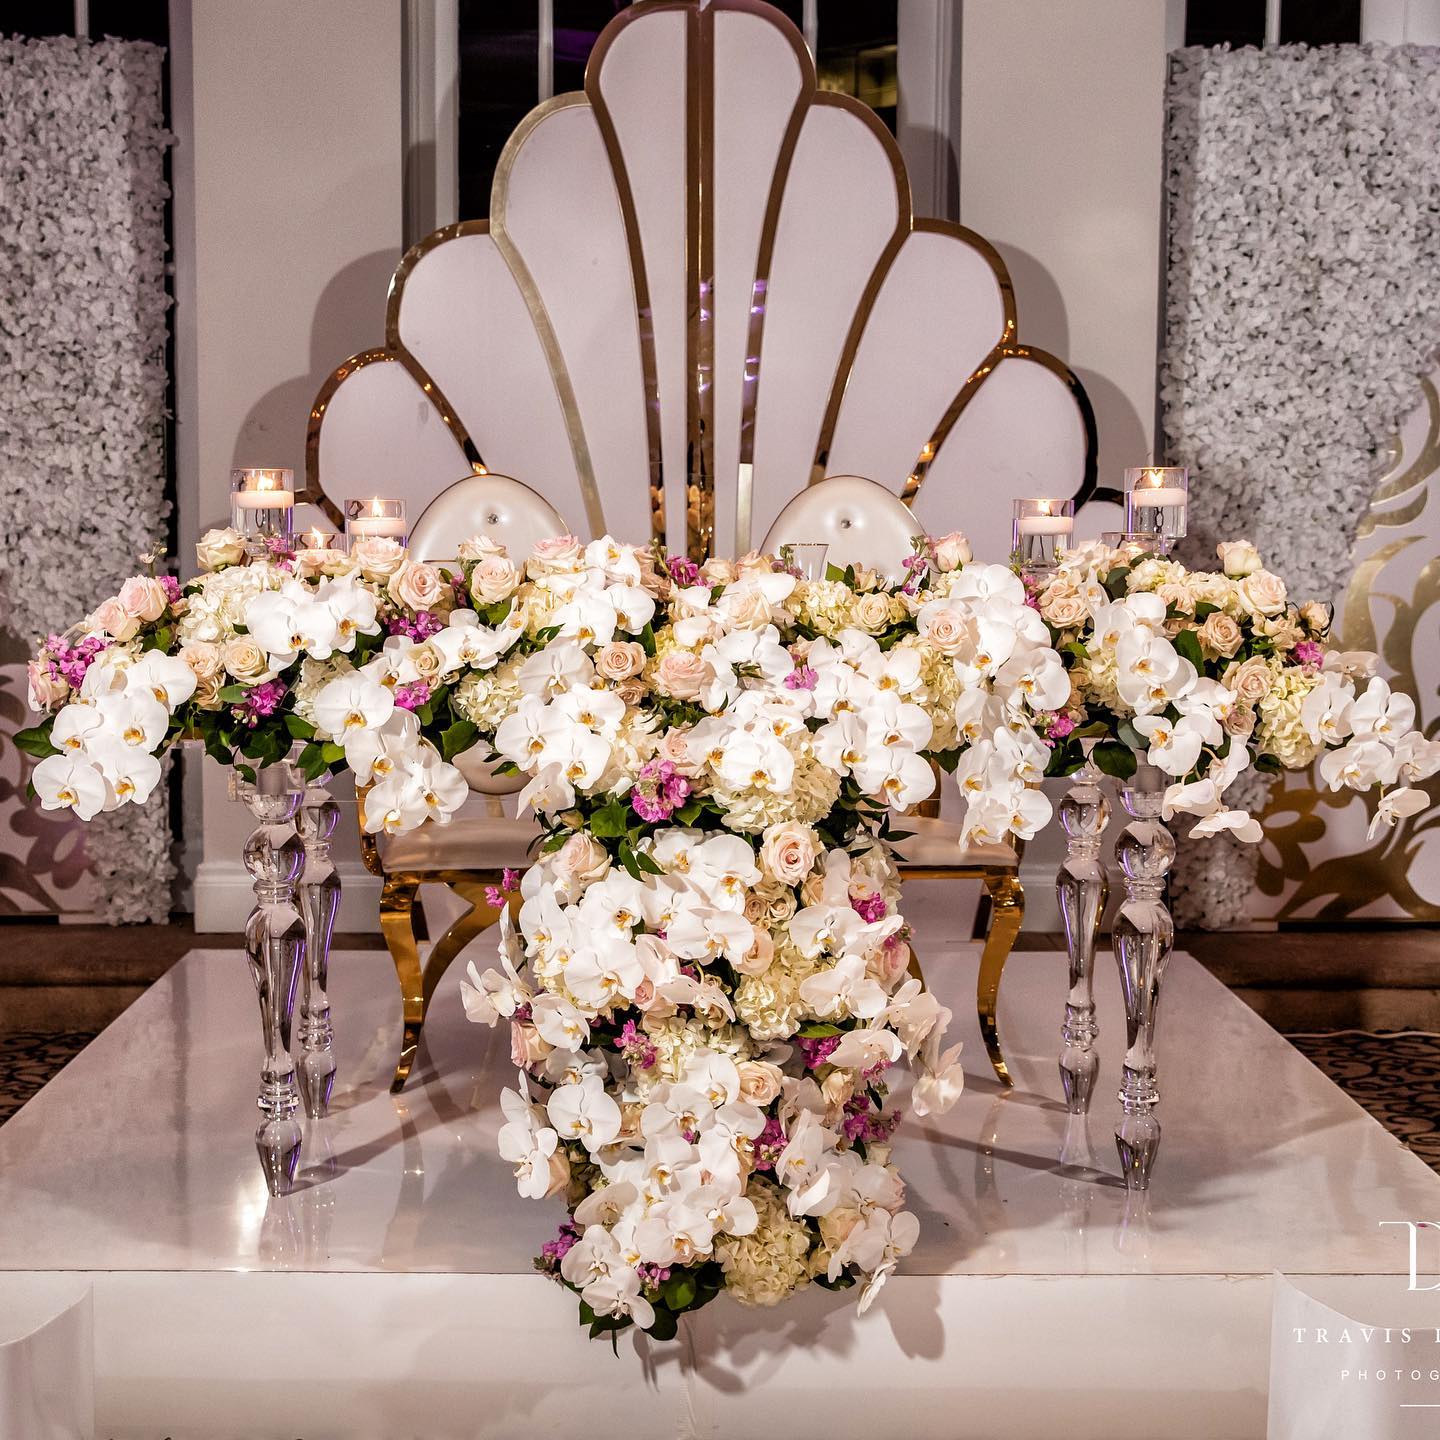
(375, 519)
(1143, 935)
(1082, 888)
(274, 945)
(319, 895)
(1157, 499)
(806, 558)
(1038, 529)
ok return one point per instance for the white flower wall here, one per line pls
(1302, 310)
(82, 366)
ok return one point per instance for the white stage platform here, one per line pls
(392, 1296)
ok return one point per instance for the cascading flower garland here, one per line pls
(709, 979)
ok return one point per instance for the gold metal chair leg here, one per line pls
(397, 924)
(480, 916)
(1007, 913)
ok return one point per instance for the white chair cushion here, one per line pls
(936, 843)
(493, 505)
(863, 524)
(489, 843)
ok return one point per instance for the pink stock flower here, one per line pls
(413, 696)
(659, 791)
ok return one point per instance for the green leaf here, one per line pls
(647, 639)
(679, 1290)
(1204, 609)
(690, 811)
(1115, 581)
(1130, 736)
(1268, 764)
(1077, 649)
(332, 752)
(664, 1326)
(232, 695)
(647, 862)
(300, 729)
(457, 738)
(818, 1030)
(312, 761)
(627, 859)
(1115, 759)
(610, 821)
(36, 740)
(1187, 643)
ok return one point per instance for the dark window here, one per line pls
(857, 45)
(1225, 22)
(499, 83)
(1320, 22)
(578, 24)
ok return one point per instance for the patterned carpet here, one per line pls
(1394, 1076)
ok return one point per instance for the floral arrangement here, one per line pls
(1210, 674)
(707, 978)
(710, 979)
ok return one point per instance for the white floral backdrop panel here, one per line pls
(82, 368)
(1302, 311)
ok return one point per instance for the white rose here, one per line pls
(417, 585)
(1263, 593)
(582, 859)
(952, 551)
(760, 1081)
(219, 547)
(1238, 558)
(493, 579)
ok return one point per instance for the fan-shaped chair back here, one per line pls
(701, 288)
(495, 506)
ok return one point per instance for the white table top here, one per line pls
(138, 1156)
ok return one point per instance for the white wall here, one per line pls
(1061, 141)
(1062, 116)
(288, 225)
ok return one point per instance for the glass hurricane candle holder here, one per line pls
(318, 552)
(1038, 528)
(275, 945)
(262, 508)
(376, 519)
(1157, 498)
(1132, 546)
(806, 558)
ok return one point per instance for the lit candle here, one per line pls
(1037, 526)
(376, 519)
(1046, 524)
(262, 506)
(1156, 499)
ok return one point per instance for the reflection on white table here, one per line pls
(47, 1360)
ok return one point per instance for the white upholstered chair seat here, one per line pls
(863, 524)
(484, 843)
(935, 844)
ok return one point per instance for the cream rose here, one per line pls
(1263, 593)
(204, 658)
(555, 556)
(1220, 636)
(582, 860)
(478, 547)
(630, 692)
(952, 551)
(946, 629)
(1238, 558)
(760, 956)
(788, 851)
(493, 579)
(1316, 617)
(1250, 681)
(620, 660)
(245, 660)
(747, 611)
(113, 618)
(1063, 607)
(718, 571)
(217, 547)
(417, 585)
(143, 597)
(760, 1081)
(1239, 721)
(1177, 597)
(682, 676)
(872, 613)
(837, 1087)
(378, 556)
(527, 1046)
(44, 690)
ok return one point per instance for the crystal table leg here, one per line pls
(1082, 888)
(1143, 936)
(319, 895)
(274, 942)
